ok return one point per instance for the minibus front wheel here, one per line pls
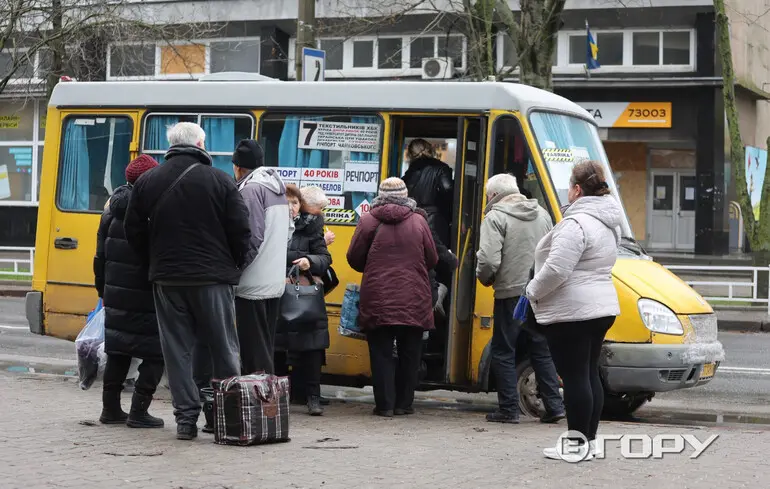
(622, 406)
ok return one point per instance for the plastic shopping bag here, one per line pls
(349, 314)
(520, 312)
(89, 346)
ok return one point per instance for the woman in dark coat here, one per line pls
(305, 343)
(393, 247)
(131, 327)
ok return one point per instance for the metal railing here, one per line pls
(740, 283)
(16, 262)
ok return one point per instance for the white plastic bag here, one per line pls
(89, 346)
(133, 371)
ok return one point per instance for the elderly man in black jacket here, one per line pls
(131, 328)
(188, 219)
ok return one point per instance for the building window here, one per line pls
(578, 49)
(420, 48)
(676, 48)
(132, 60)
(646, 48)
(363, 54)
(338, 153)
(636, 51)
(183, 59)
(335, 54)
(235, 56)
(451, 47)
(94, 155)
(389, 52)
(610, 48)
(223, 131)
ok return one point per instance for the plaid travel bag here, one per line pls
(251, 410)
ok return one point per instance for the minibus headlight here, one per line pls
(659, 318)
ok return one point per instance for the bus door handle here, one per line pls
(65, 243)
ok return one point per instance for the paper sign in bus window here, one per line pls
(339, 136)
(363, 208)
(336, 202)
(362, 177)
(329, 188)
(288, 175)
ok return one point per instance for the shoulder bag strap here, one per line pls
(170, 188)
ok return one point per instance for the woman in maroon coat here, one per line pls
(393, 247)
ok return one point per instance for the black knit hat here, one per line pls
(248, 154)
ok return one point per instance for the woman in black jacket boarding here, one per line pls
(131, 327)
(305, 344)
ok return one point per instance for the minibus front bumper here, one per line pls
(648, 367)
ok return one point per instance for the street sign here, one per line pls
(313, 64)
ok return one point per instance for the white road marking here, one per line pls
(745, 370)
(5, 326)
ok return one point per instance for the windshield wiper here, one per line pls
(632, 245)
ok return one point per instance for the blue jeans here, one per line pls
(505, 334)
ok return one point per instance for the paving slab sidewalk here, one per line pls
(48, 439)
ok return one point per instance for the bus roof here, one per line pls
(369, 95)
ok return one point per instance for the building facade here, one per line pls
(656, 97)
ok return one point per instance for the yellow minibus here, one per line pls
(346, 137)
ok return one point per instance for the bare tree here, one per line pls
(531, 34)
(42, 40)
(757, 230)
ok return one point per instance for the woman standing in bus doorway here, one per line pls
(573, 297)
(131, 327)
(305, 344)
(393, 247)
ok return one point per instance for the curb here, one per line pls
(14, 292)
(737, 325)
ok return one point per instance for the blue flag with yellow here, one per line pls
(592, 50)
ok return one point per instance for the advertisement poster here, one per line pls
(338, 136)
(756, 163)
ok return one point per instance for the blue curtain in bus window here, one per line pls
(155, 133)
(220, 138)
(291, 156)
(374, 158)
(74, 189)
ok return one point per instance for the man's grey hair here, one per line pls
(502, 183)
(185, 134)
(314, 197)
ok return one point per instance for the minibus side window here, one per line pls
(510, 154)
(338, 153)
(223, 131)
(93, 158)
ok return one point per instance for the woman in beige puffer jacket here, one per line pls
(573, 297)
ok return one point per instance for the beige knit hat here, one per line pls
(393, 187)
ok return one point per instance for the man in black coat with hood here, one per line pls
(189, 221)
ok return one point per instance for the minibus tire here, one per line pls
(622, 407)
(530, 403)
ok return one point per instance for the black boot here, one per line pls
(314, 406)
(112, 413)
(138, 417)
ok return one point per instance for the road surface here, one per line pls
(742, 384)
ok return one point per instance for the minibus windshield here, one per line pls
(564, 140)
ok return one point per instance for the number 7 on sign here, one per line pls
(308, 129)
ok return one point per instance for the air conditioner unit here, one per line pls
(437, 68)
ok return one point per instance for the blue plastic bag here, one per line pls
(89, 346)
(349, 313)
(520, 312)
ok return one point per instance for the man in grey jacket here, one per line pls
(512, 227)
(263, 279)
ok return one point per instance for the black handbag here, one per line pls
(530, 324)
(330, 280)
(302, 303)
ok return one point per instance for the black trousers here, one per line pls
(116, 370)
(188, 318)
(395, 380)
(256, 321)
(306, 373)
(575, 348)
